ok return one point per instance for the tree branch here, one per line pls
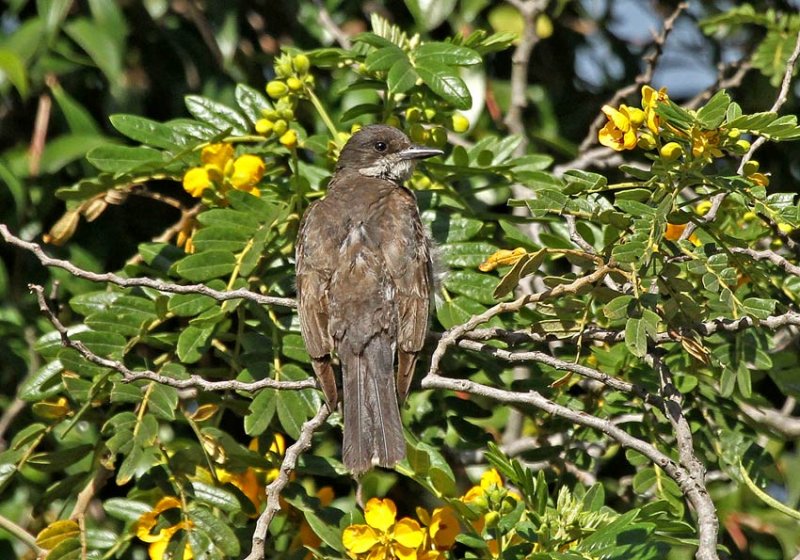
(117, 280)
(130, 375)
(707, 520)
(275, 488)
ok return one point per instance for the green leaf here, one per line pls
(384, 58)
(147, 131)
(200, 267)
(430, 14)
(229, 238)
(163, 401)
(636, 337)
(526, 266)
(445, 83)
(447, 228)
(261, 411)
(251, 102)
(192, 342)
(43, 383)
(457, 311)
(292, 346)
(477, 286)
(629, 252)
(189, 305)
(618, 308)
(447, 53)
(711, 115)
(13, 70)
(325, 525)
(216, 497)
(759, 308)
(125, 509)
(104, 51)
(217, 114)
(217, 529)
(55, 461)
(582, 181)
(122, 159)
(292, 412)
(466, 255)
(401, 77)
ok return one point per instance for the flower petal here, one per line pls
(216, 155)
(444, 527)
(196, 181)
(380, 514)
(408, 533)
(491, 478)
(247, 171)
(358, 539)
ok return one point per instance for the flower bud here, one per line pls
(671, 151)
(750, 167)
(301, 63)
(413, 114)
(286, 114)
(438, 136)
(734, 133)
(430, 114)
(418, 133)
(459, 122)
(742, 146)
(277, 89)
(646, 141)
(295, 84)
(264, 126)
(393, 121)
(280, 127)
(785, 228)
(491, 519)
(289, 139)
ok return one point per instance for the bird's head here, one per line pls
(383, 152)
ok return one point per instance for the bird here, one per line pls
(364, 286)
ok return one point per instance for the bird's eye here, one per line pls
(380, 146)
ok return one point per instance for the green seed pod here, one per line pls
(413, 114)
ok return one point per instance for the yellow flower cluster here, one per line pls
(490, 499)
(629, 127)
(293, 81)
(384, 537)
(159, 541)
(221, 171)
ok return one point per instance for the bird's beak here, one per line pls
(419, 152)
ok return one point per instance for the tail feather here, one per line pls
(373, 431)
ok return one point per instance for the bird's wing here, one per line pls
(313, 265)
(407, 255)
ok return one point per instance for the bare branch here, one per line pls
(783, 95)
(555, 363)
(330, 26)
(450, 336)
(645, 77)
(776, 420)
(767, 255)
(707, 520)
(520, 60)
(115, 279)
(275, 488)
(131, 375)
(23, 535)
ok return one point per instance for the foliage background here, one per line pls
(67, 66)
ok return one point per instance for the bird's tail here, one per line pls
(373, 431)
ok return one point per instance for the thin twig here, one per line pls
(112, 278)
(783, 96)
(21, 534)
(561, 365)
(330, 26)
(643, 78)
(275, 488)
(130, 375)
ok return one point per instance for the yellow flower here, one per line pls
(196, 181)
(160, 541)
(650, 100)
(247, 172)
(674, 232)
(705, 143)
(383, 538)
(443, 527)
(217, 156)
(619, 133)
(220, 170)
